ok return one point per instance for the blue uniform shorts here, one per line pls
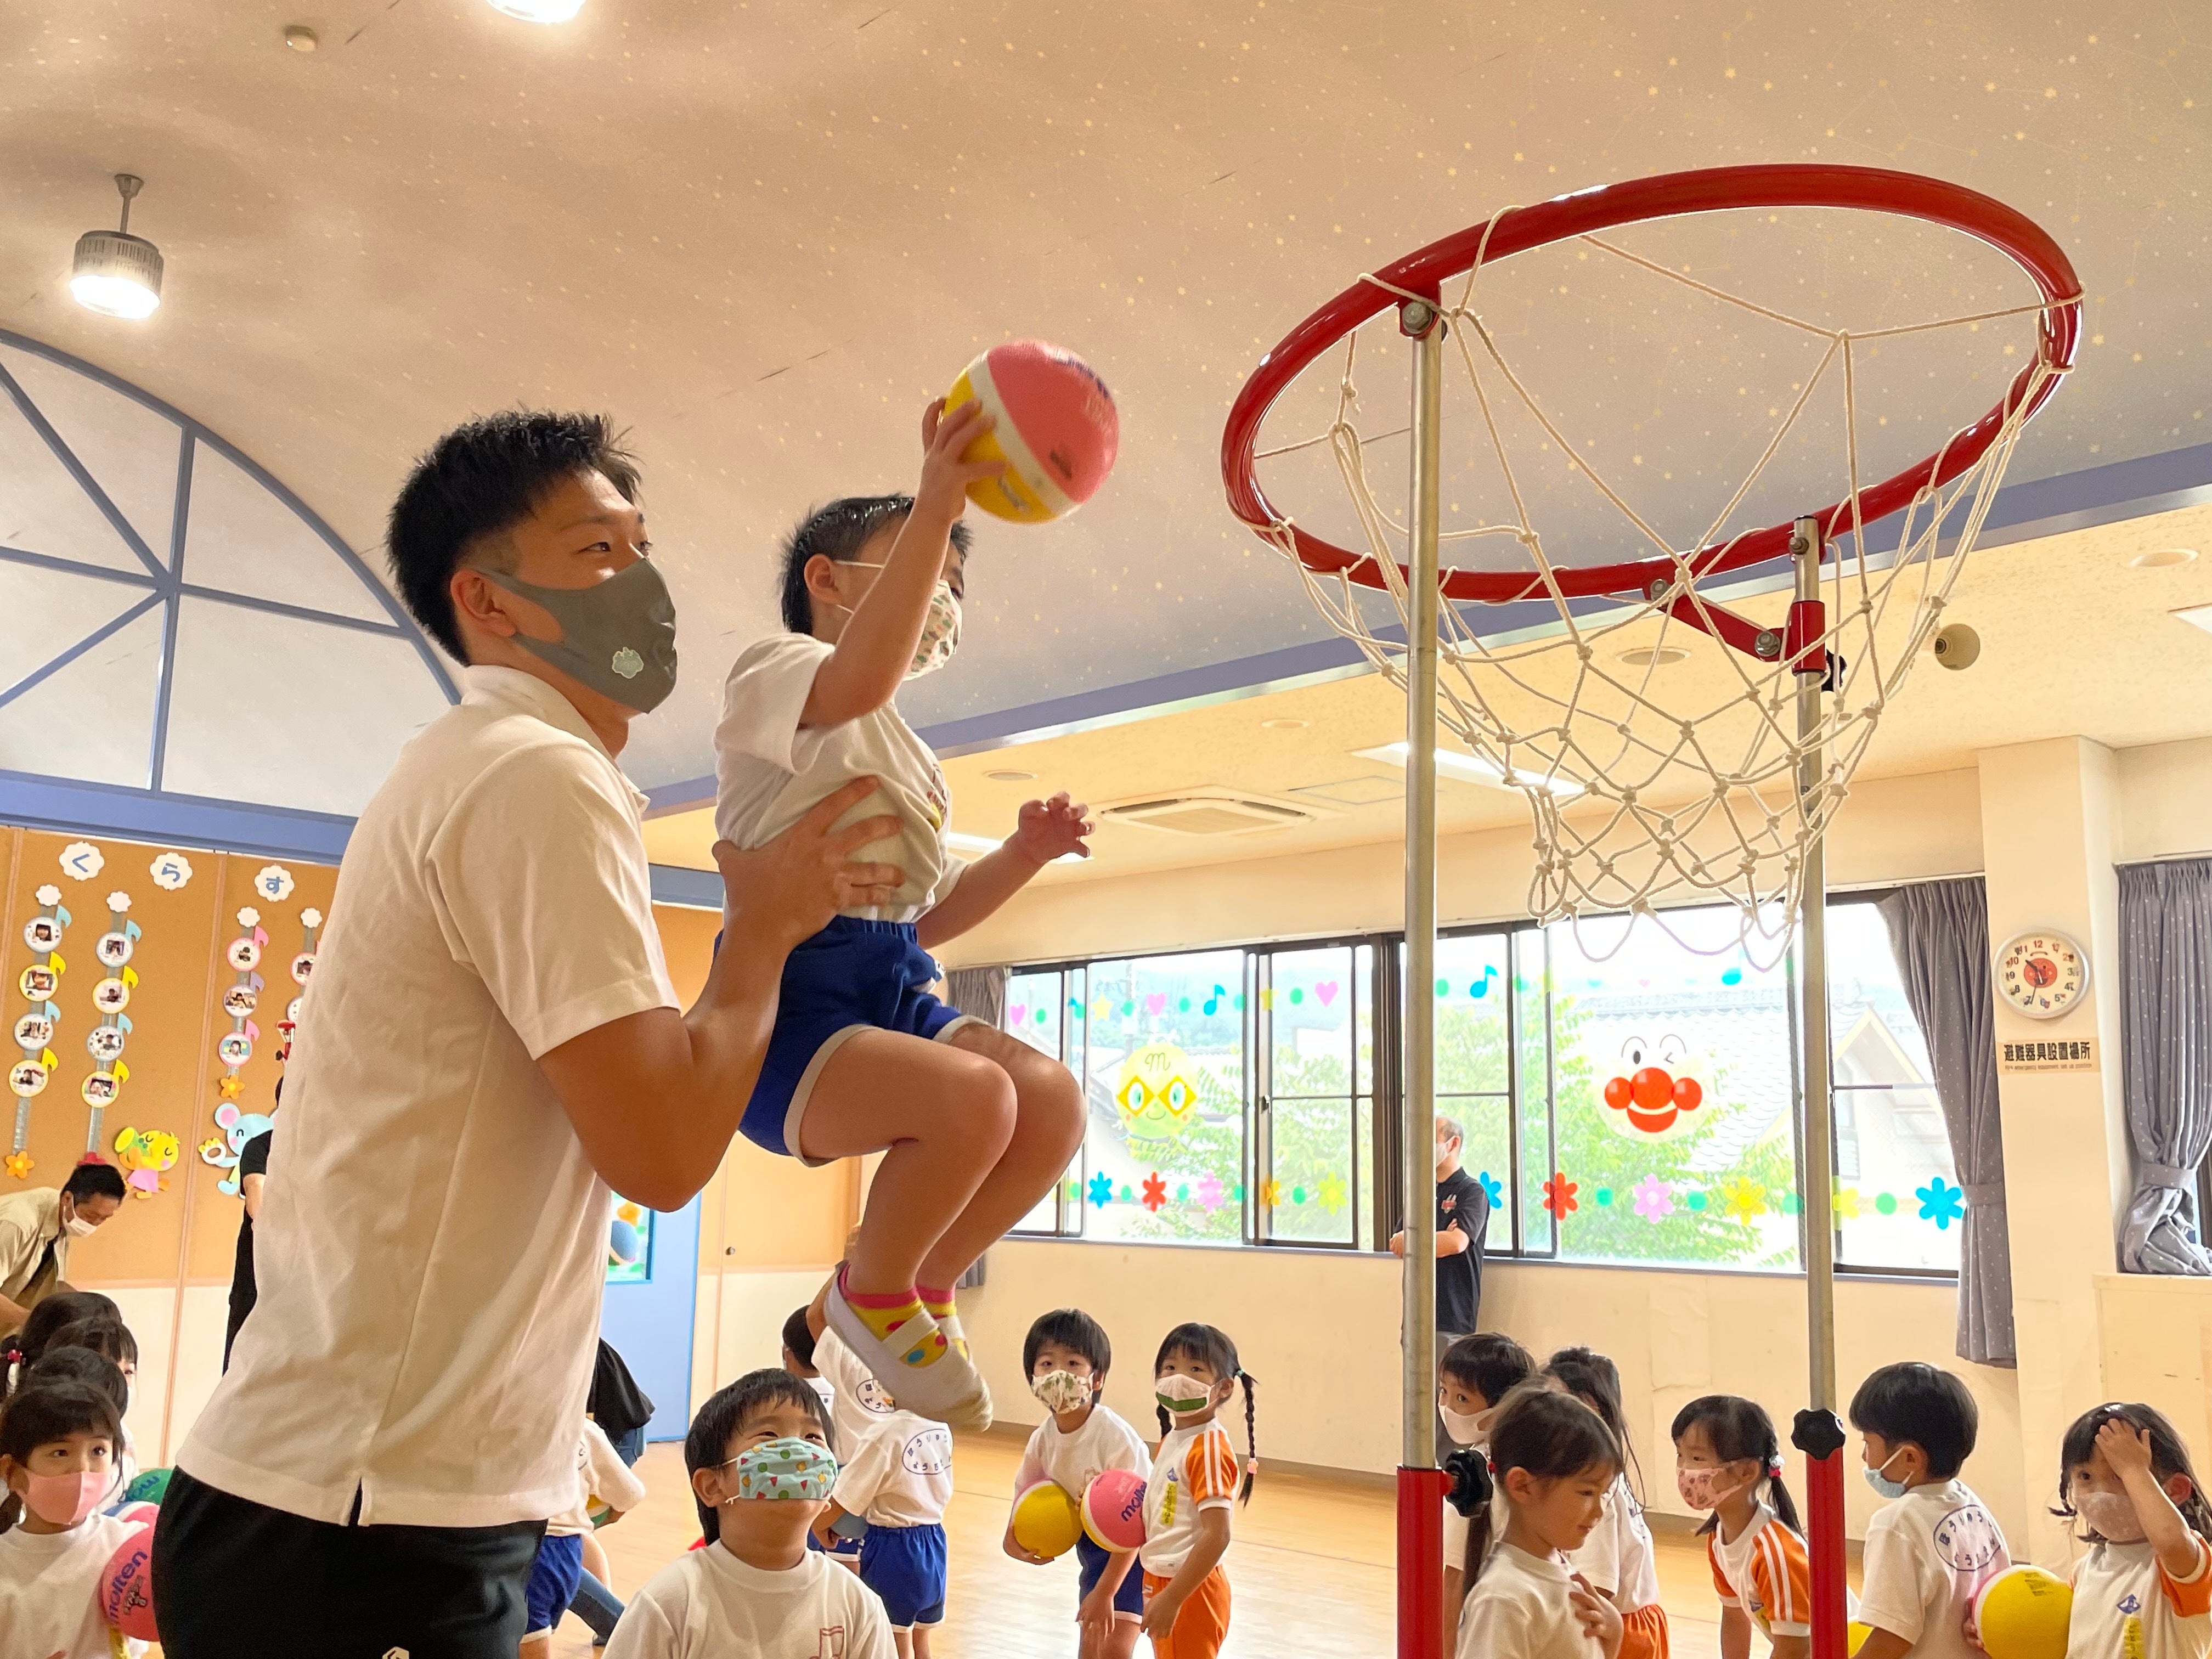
(553, 1580)
(1129, 1598)
(854, 975)
(905, 1565)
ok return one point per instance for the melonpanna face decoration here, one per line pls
(1658, 1091)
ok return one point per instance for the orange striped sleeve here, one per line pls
(1209, 1468)
(2190, 1597)
(1783, 1573)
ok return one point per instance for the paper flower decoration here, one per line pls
(1942, 1203)
(1559, 1195)
(1845, 1203)
(229, 1085)
(1743, 1199)
(19, 1165)
(1271, 1194)
(1102, 1191)
(1156, 1192)
(1331, 1193)
(1492, 1188)
(1210, 1194)
(1654, 1199)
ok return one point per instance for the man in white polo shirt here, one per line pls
(492, 1043)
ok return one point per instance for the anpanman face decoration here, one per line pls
(1656, 1091)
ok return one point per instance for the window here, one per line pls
(1895, 1181)
(1045, 1010)
(1317, 1045)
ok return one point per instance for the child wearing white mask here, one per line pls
(863, 1058)
(1932, 1548)
(762, 1469)
(1192, 1492)
(1728, 1461)
(2145, 1587)
(1472, 1376)
(1066, 1355)
(57, 1440)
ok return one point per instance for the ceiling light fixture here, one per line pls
(1010, 775)
(1653, 656)
(115, 273)
(539, 11)
(2163, 558)
(1468, 769)
(301, 37)
(1284, 725)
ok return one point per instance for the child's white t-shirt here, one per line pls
(821, 1386)
(1616, 1557)
(48, 1583)
(1073, 1461)
(1520, 1609)
(769, 771)
(1927, 1555)
(1196, 1470)
(894, 1467)
(709, 1605)
(2126, 1604)
(601, 1473)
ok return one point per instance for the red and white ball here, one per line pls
(1056, 429)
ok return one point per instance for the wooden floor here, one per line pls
(1310, 1568)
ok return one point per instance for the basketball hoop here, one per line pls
(1640, 797)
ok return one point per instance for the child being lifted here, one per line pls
(975, 1127)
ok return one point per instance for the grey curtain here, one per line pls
(1940, 932)
(2166, 1059)
(979, 991)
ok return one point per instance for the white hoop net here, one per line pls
(1648, 790)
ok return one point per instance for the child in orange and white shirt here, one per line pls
(1192, 1488)
(2145, 1587)
(1728, 1460)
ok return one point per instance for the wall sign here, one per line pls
(2070, 1054)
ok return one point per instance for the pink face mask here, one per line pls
(1701, 1489)
(64, 1500)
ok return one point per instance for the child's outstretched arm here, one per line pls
(876, 646)
(1046, 830)
(2127, 1448)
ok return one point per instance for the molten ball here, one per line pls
(126, 1587)
(1654, 1087)
(1046, 1519)
(147, 1486)
(2023, 1614)
(1114, 1510)
(1855, 1636)
(1056, 429)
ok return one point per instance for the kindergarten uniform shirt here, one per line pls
(709, 1605)
(769, 771)
(600, 1474)
(1073, 1461)
(1616, 1557)
(47, 1583)
(1519, 1609)
(1927, 1555)
(1195, 1470)
(2126, 1606)
(1765, 1570)
(896, 1466)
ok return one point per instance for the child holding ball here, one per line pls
(57, 1440)
(978, 1125)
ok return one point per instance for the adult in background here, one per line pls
(38, 1226)
(253, 1178)
(491, 1042)
(1462, 1218)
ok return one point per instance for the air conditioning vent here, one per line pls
(1209, 813)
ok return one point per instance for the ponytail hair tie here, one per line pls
(1774, 1464)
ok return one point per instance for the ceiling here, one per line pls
(2075, 641)
(761, 234)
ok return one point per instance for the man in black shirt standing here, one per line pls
(252, 1176)
(1462, 1217)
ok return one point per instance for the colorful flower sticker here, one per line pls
(81, 861)
(26, 1078)
(19, 1165)
(170, 871)
(243, 954)
(110, 996)
(42, 933)
(1102, 1191)
(1559, 1195)
(234, 1048)
(1654, 1199)
(1210, 1194)
(1942, 1203)
(1845, 1203)
(1492, 1187)
(273, 882)
(1331, 1193)
(1271, 1194)
(113, 950)
(1743, 1199)
(1155, 1193)
(34, 1030)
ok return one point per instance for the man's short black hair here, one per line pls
(838, 532)
(95, 1181)
(799, 1337)
(483, 477)
(1073, 1328)
(1922, 1403)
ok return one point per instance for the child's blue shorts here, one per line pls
(554, 1577)
(905, 1565)
(854, 975)
(1129, 1598)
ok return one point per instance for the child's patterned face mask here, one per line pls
(1061, 1391)
(788, 1468)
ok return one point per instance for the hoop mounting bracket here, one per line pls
(1803, 634)
(1740, 633)
(1417, 318)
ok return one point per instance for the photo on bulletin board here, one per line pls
(629, 1245)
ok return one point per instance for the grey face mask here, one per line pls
(618, 637)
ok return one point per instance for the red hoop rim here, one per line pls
(1667, 195)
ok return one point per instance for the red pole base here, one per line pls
(1824, 1531)
(1421, 1564)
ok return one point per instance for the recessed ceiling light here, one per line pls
(1468, 769)
(539, 11)
(301, 37)
(115, 273)
(2163, 558)
(1653, 656)
(1010, 776)
(1284, 725)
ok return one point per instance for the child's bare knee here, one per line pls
(1052, 1106)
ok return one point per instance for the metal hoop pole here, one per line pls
(1818, 1433)
(1420, 1484)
